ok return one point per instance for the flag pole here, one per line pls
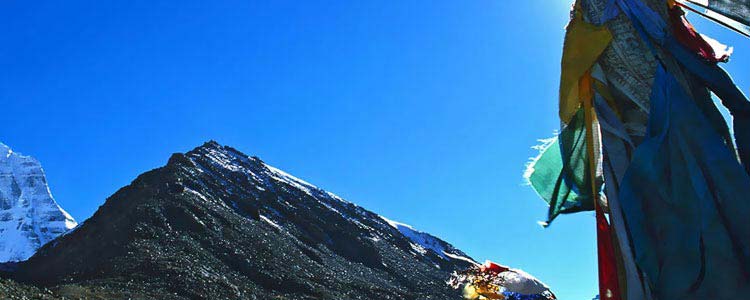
(715, 20)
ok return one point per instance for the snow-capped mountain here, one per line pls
(215, 223)
(29, 216)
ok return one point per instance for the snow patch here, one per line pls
(199, 195)
(421, 242)
(459, 257)
(291, 180)
(270, 222)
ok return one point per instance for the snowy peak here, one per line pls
(29, 215)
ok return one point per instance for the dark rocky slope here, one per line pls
(216, 224)
(10, 290)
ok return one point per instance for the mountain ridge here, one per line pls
(216, 223)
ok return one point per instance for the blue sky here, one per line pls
(422, 111)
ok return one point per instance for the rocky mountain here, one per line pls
(29, 215)
(217, 224)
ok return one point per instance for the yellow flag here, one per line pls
(584, 43)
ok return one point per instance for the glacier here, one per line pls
(29, 215)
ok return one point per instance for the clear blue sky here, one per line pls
(423, 111)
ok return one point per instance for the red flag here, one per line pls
(690, 38)
(609, 285)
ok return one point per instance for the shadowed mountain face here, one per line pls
(214, 223)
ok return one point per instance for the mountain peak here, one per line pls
(214, 158)
(5, 150)
(211, 144)
(29, 215)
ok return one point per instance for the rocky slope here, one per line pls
(216, 224)
(10, 290)
(29, 216)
